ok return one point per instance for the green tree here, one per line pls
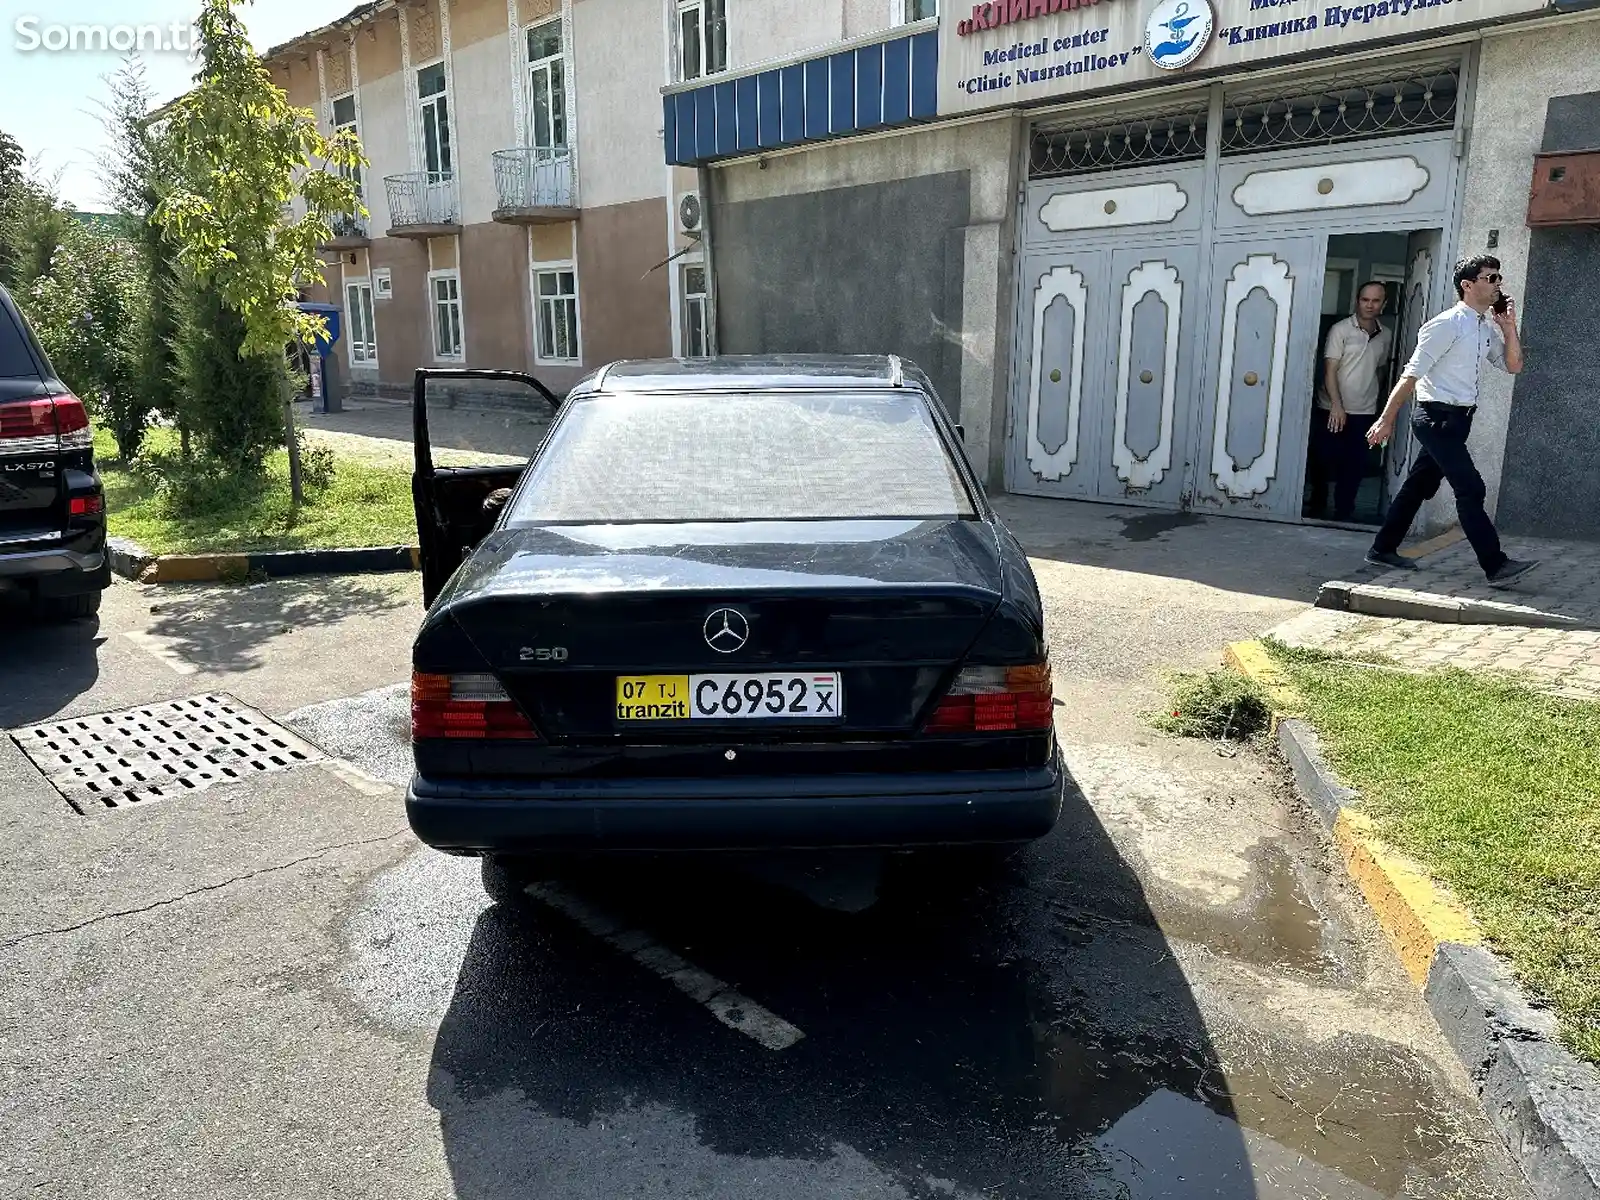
(32, 224)
(12, 161)
(132, 174)
(13, 179)
(86, 309)
(78, 283)
(242, 155)
(230, 401)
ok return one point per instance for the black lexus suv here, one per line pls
(52, 507)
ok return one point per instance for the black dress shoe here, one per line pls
(1508, 572)
(1388, 558)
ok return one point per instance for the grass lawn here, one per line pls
(366, 504)
(1496, 789)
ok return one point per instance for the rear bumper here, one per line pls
(499, 816)
(57, 571)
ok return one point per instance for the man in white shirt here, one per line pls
(1445, 372)
(1355, 356)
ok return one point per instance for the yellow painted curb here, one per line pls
(1448, 538)
(200, 568)
(1414, 912)
(1252, 661)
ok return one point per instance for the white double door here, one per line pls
(1169, 359)
(1107, 393)
(1115, 402)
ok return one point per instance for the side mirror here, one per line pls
(961, 432)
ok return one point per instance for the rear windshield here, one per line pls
(15, 361)
(733, 456)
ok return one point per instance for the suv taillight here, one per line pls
(995, 700)
(46, 424)
(464, 706)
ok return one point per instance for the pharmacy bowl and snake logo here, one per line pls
(1176, 31)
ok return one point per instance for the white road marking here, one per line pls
(362, 781)
(734, 1010)
(159, 647)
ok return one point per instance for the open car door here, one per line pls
(473, 433)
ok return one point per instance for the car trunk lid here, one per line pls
(559, 613)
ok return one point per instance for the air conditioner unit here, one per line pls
(690, 215)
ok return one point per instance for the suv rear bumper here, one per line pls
(463, 816)
(58, 571)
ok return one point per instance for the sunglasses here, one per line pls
(1490, 278)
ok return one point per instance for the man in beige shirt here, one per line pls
(1355, 359)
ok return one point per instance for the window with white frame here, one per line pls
(904, 12)
(547, 88)
(363, 332)
(696, 313)
(556, 289)
(702, 38)
(447, 338)
(437, 156)
(344, 118)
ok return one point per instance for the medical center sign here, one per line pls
(1007, 52)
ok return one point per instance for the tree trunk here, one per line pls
(293, 443)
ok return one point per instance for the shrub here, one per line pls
(317, 465)
(1217, 705)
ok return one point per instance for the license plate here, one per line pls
(783, 696)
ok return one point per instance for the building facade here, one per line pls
(522, 216)
(1118, 235)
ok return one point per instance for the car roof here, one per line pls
(747, 372)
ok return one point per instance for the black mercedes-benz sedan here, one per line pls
(727, 603)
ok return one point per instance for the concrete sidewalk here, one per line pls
(1561, 662)
(379, 431)
(1448, 585)
(1444, 613)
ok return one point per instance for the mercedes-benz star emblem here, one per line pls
(727, 630)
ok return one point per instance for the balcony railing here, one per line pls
(348, 230)
(534, 177)
(422, 198)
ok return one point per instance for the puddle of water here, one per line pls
(1356, 1120)
(1150, 526)
(1369, 1112)
(1275, 924)
(1171, 1145)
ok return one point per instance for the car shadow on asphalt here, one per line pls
(1032, 1036)
(44, 664)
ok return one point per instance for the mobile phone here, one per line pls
(1502, 302)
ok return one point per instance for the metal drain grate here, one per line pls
(118, 759)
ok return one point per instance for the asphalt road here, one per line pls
(268, 989)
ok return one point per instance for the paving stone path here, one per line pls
(1559, 661)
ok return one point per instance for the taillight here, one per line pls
(995, 700)
(72, 423)
(86, 506)
(48, 423)
(464, 706)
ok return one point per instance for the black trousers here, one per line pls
(1441, 433)
(1342, 457)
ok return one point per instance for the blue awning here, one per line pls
(830, 95)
